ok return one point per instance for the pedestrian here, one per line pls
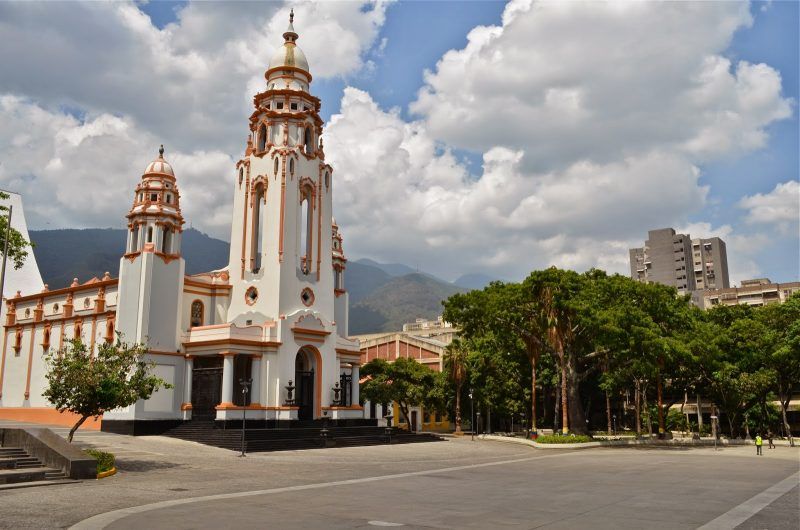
(759, 443)
(769, 439)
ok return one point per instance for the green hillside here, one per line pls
(379, 300)
(84, 253)
(400, 300)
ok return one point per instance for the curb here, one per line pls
(104, 474)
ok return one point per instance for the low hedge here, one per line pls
(105, 461)
(559, 439)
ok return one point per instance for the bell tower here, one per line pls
(280, 258)
(152, 269)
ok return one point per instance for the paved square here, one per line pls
(451, 484)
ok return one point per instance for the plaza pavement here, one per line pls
(451, 484)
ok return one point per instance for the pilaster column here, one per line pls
(227, 378)
(255, 375)
(355, 373)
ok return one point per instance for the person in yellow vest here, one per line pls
(759, 443)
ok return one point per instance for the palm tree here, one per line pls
(455, 360)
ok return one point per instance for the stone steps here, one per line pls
(290, 439)
(17, 468)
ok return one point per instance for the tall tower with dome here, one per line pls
(272, 322)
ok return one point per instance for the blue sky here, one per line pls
(622, 121)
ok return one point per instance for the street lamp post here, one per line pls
(615, 424)
(245, 383)
(471, 416)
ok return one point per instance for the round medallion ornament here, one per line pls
(251, 295)
(307, 296)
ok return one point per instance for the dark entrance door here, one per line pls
(206, 387)
(413, 426)
(305, 394)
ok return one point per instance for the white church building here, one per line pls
(275, 317)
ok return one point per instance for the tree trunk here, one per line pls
(647, 413)
(660, 398)
(533, 393)
(577, 419)
(608, 412)
(404, 411)
(699, 416)
(564, 409)
(730, 424)
(637, 398)
(458, 409)
(556, 408)
(75, 427)
(786, 427)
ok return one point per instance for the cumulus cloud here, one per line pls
(190, 83)
(82, 173)
(594, 121)
(90, 90)
(780, 207)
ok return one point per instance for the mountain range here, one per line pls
(383, 296)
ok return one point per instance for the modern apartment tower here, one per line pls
(679, 261)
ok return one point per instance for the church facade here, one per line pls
(274, 321)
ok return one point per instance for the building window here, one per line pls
(251, 295)
(305, 224)
(262, 138)
(241, 176)
(197, 314)
(109, 338)
(276, 164)
(279, 105)
(166, 241)
(327, 180)
(309, 141)
(307, 296)
(169, 198)
(149, 234)
(259, 214)
(293, 106)
(291, 166)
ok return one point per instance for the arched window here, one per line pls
(166, 240)
(197, 314)
(149, 234)
(308, 140)
(262, 138)
(241, 175)
(77, 330)
(134, 238)
(291, 166)
(276, 166)
(327, 180)
(259, 213)
(305, 224)
(46, 339)
(109, 338)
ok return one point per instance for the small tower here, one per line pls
(151, 271)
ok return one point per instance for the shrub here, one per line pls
(569, 439)
(105, 461)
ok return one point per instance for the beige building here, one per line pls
(757, 292)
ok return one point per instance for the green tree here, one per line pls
(17, 245)
(403, 381)
(89, 385)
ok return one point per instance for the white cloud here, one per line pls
(594, 120)
(780, 207)
(133, 86)
(75, 173)
(191, 84)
